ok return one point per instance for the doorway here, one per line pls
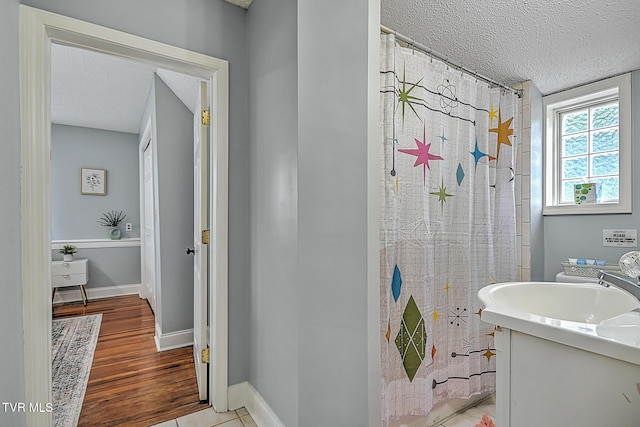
(38, 29)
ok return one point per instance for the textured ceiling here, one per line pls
(557, 44)
(95, 90)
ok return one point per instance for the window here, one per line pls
(588, 140)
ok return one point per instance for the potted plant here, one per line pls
(67, 252)
(113, 219)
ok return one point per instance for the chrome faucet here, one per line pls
(621, 281)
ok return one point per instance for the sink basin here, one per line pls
(587, 316)
(576, 302)
(559, 345)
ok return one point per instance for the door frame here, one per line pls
(38, 29)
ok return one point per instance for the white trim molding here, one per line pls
(97, 243)
(243, 394)
(172, 340)
(35, 120)
(72, 295)
(619, 88)
(373, 220)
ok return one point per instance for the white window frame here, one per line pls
(584, 95)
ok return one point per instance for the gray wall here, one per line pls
(172, 130)
(174, 151)
(74, 215)
(324, 156)
(580, 236)
(308, 134)
(332, 210)
(274, 205)
(11, 329)
(109, 266)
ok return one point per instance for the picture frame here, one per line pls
(93, 181)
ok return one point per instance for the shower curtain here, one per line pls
(448, 227)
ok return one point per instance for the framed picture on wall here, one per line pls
(93, 181)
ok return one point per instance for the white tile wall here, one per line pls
(523, 185)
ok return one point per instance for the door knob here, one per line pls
(191, 251)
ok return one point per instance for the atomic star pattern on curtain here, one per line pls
(448, 227)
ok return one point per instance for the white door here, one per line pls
(149, 263)
(200, 142)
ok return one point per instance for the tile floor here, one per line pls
(209, 418)
(241, 418)
(472, 416)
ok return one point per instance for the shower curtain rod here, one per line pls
(423, 48)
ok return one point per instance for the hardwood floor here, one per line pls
(131, 384)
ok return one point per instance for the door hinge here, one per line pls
(205, 355)
(205, 237)
(206, 117)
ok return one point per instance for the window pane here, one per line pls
(609, 189)
(577, 121)
(604, 140)
(604, 116)
(575, 145)
(567, 191)
(575, 167)
(588, 122)
(604, 164)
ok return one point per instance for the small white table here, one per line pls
(69, 273)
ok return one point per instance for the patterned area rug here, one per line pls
(73, 343)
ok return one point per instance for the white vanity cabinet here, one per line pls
(69, 273)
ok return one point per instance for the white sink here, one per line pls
(559, 345)
(576, 302)
(583, 315)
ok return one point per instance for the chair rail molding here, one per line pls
(96, 243)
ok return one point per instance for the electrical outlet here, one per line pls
(128, 226)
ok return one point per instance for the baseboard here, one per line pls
(172, 340)
(73, 294)
(243, 394)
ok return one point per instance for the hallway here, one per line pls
(130, 382)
